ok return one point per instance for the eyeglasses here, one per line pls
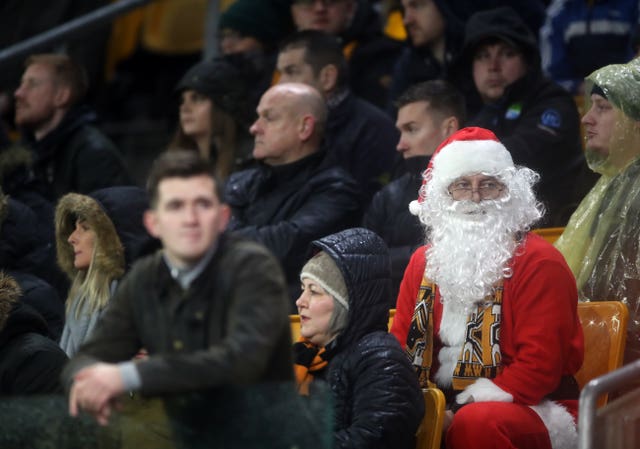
(463, 190)
(310, 3)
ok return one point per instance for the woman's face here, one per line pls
(195, 114)
(82, 239)
(599, 124)
(315, 307)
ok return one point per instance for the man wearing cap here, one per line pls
(488, 311)
(601, 239)
(499, 70)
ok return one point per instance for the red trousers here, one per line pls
(497, 425)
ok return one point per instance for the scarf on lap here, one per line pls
(308, 358)
(480, 355)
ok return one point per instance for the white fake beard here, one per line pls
(471, 245)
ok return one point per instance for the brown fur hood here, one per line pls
(115, 214)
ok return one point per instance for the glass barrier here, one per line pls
(268, 416)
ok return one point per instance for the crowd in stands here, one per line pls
(324, 164)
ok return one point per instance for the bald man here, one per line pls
(293, 196)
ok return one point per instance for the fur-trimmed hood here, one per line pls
(115, 214)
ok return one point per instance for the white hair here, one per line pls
(471, 243)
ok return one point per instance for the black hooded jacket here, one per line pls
(30, 362)
(377, 398)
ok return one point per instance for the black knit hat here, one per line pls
(266, 20)
(222, 82)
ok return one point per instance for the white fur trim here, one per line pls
(453, 325)
(463, 157)
(453, 328)
(483, 390)
(414, 207)
(560, 424)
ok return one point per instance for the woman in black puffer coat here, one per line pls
(344, 313)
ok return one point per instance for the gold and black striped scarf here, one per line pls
(480, 355)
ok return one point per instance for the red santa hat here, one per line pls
(467, 151)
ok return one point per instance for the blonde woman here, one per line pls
(97, 237)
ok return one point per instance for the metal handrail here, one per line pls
(593, 390)
(75, 27)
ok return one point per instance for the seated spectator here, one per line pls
(488, 310)
(435, 29)
(209, 308)
(359, 137)
(369, 53)
(70, 153)
(535, 118)
(580, 36)
(97, 237)
(343, 320)
(428, 113)
(215, 115)
(600, 241)
(293, 196)
(30, 362)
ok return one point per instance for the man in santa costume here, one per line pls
(487, 311)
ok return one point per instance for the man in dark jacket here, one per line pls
(70, 153)
(211, 310)
(369, 53)
(428, 113)
(535, 118)
(293, 197)
(30, 362)
(359, 137)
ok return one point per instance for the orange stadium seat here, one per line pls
(604, 324)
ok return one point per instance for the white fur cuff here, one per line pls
(483, 390)
(559, 423)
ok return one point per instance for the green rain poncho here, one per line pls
(601, 240)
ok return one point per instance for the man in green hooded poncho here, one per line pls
(601, 241)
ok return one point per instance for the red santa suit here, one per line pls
(540, 341)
